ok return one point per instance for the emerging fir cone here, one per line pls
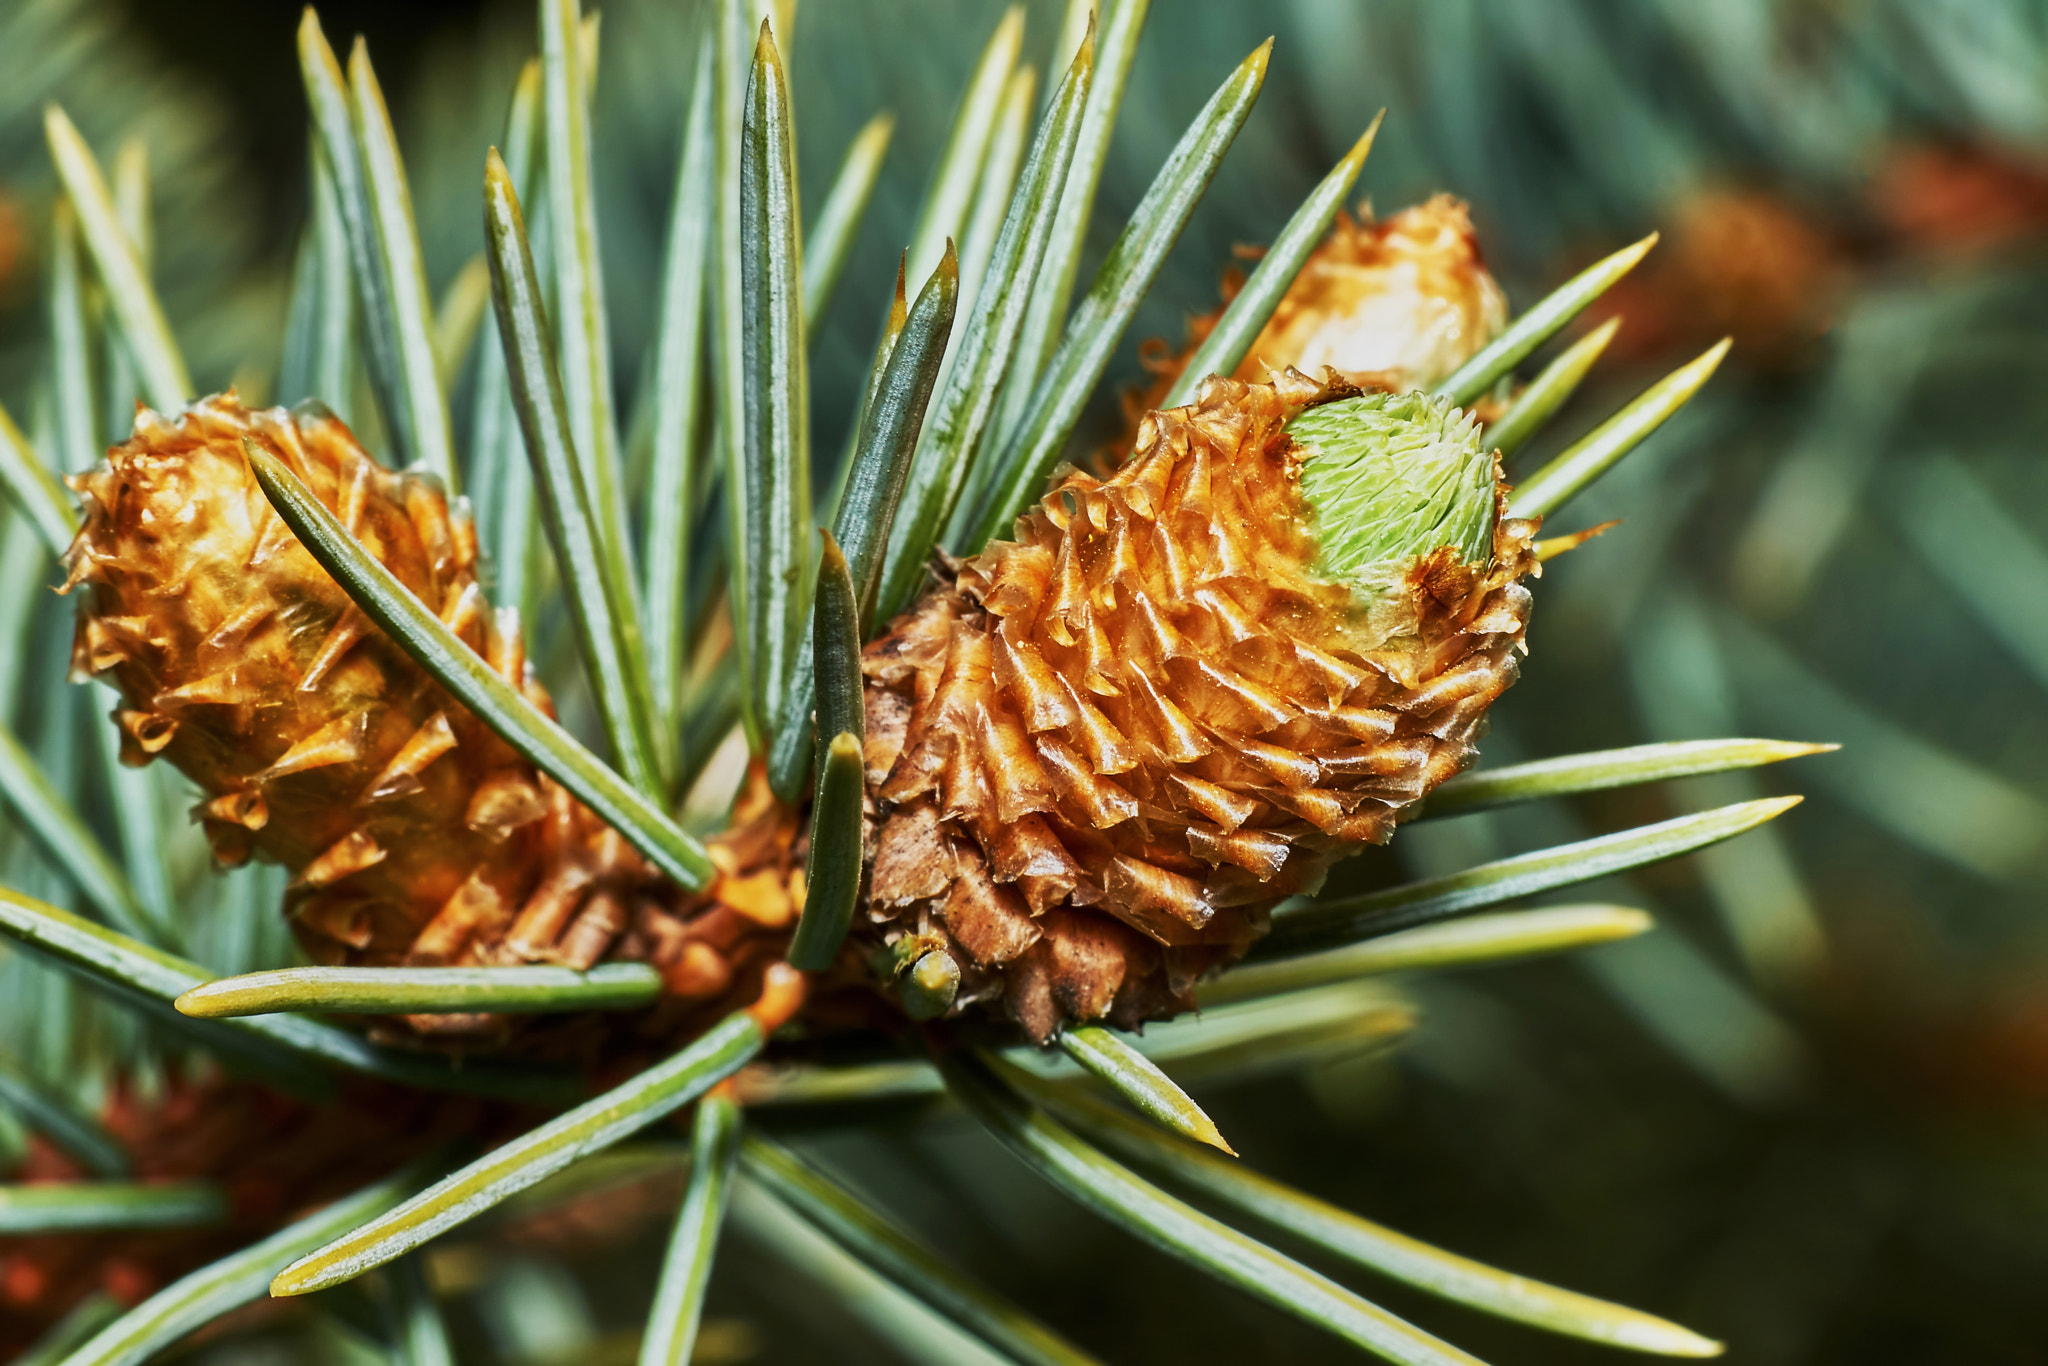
(415, 835)
(1396, 304)
(1101, 753)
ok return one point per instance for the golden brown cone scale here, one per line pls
(1101, 754)
(413, 833)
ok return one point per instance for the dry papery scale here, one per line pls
(1038, 754)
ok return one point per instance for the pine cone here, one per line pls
(415, 835)
(1101, 753)
(1396, 304)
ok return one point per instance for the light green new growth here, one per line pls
(1391, 477)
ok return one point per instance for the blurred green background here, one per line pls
(1807, 1114)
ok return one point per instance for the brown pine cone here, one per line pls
(415, 835)
(1101, 753)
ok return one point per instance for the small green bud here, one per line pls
(1392, 477)
(928, 991)
(890, 961)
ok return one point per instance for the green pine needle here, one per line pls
(55, 1347)
(319, 357)
(1120, 284)
(1275, 1037)
(420, 418)
(459, 316)
(1139, 1080)
(334, 112)
(942, 218)
(675, 404)
(963, 414)
(413, 1320)
(1541, 323)
(1110, 40)
(288, 1049)
(1126, 1200)
(1593, 455)
(59, 1120)
(1306, 926)
(34, 489)
(120, 266)
(568, 51)
(686, 1269)
(900, 392)
(774, 476)
(1599, 770)
(1375, 1247)
(881, 1244)
(595, 571)
(525, 1161)
(1247, 314)
(832, 878)
(1502, 937)
(56, 827)
(527, 989)
(235, 1280)
(459, 669)
(1538, 403)
(828, 244)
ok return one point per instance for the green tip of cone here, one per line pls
(1391, 477)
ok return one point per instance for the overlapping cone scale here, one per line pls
(1099, 754)
(415, 835)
